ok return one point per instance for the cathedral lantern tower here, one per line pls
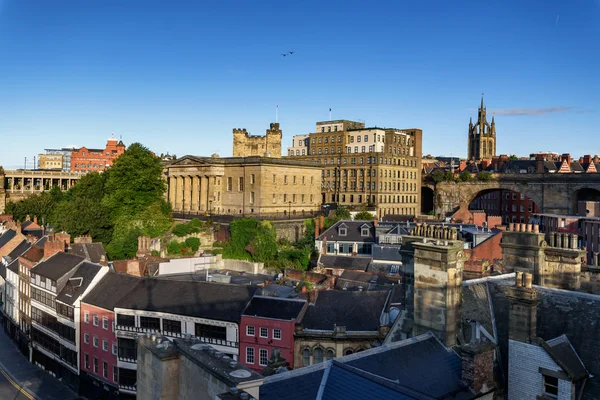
(482, 136)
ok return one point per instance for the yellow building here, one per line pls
(50, 161)
(368, 167)
(247, 186)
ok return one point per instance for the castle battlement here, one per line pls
(245, 145)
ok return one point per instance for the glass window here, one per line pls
(150, 323)
(264, 332)
(86, 316)
(86, 338)
(95, 341)
(114, 348)
(249, 355)
(104, 344)
(550, 386)
(105, 323)
(125, 320)
(330, 354)
(318, 354)
(172, 326)
(211, 331)
(95, 319)
(95, 365)
(264, 357)
(277, 333)
(306, 357)
(105, 369)
(250, 330)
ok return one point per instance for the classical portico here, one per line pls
(194, 187)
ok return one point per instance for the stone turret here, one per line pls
(246, 145)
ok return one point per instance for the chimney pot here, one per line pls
(528, 280)
(519, 279)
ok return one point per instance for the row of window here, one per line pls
(371, 160)
(264, 332)
(263, 356)
(285, 197)
(95, 320)
(43, 297)
(95, 342)
(172, 326)
(86, 359)
(369, 172)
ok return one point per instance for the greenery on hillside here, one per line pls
(114, 207)
(364, 216)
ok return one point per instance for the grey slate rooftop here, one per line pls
(7, 237)
(353, 232)
(93, 252)
(78, 283)
(357, 311)
(57, 265)
(417, 368)
(218, 301)
(111, 288)
(274, 308)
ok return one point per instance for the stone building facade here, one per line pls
(376, 167)
(88, 160)
(244, 186)
(482, 136)
(246, 145)
(300, 146)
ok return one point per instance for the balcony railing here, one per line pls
(127, 359)
(219, 342)
(131, 388)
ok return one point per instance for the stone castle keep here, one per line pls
(245, 145)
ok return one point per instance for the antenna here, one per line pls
(277, 113)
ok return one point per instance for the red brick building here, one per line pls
(267, 324)
(511, 206)
(88, 160)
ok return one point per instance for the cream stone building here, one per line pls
(244, 186)
(245, 145)
(375, 167)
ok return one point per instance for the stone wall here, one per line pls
(245, 266)
(291, 230)
(157, 377)
(245, 145)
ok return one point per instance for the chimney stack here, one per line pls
(477, 372)
(539, 164)
(523, 310)
(316, 228)
(52, 247)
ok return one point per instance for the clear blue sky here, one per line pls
(179, 75)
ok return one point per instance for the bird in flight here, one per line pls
(291, 52)
(283, 54)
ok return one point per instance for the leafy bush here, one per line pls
(484, 176)
(193, 243)
(465, 176)
(364, 216)
(174, 247)
(300, 258)
(180, 230)
(155, 253)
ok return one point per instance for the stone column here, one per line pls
(12, 186)
(195, 192)
(187, 193)
(179, 193)
(203, 193)
(172, 187)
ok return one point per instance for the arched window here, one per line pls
(330, 355)
(306, 355)
(484, 149)
(318, 355)
(347, 352)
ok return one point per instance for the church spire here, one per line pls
(482, 106)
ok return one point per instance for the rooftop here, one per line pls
(357, 311)
(78, 283)
(93, 252)
(111, 288)
(353, 232)
(274, 308)
(7, 237)
(217, 301)
(345, 262)
(57, 265)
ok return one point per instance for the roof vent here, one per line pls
(244, 396)
(233, 390)
(233, 364)
(153, 337)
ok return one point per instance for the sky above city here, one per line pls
(178, 76)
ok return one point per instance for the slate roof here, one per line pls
(559, 312)
(417, 368)
(274, 308)
(345, 262)
(93, 252)
(217, 301)
(368, 280)
(387, 253)
(476, 306)
(353, 232)
(111, 288)
(7, 237)
(57, 265)
(563, 353)
(78, 283)
(357, 311)
(276, 290)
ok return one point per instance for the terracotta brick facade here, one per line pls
(89, 160)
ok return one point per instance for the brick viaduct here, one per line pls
(553, 193)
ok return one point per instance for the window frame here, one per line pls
(260, 357)
(248, 328)
(266, 330)
(248, 355)
(275, 336)
(545, 385)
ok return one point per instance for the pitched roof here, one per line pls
(111, 288)
(78, 282)
(353, 232)
(57, 265)
(357, 311)
(222, 302)
(93, 252)
(416, 368)
(7, 237)
(387, 253)
(476, 306)
(563, 353)
(274, 307)
(345, 262)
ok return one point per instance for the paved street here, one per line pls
(16, 372)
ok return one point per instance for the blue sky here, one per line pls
(179, 75)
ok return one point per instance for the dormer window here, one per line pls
(343, 231)
(364, 232)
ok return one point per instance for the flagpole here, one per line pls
(330, 114)
(277, 113)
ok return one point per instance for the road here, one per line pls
(10, 390)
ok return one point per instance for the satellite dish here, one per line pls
(240, 373)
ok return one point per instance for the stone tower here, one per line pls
(482, 136)
(245, 145)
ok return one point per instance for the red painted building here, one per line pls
(88, 160)
(99, 346)
(267, 324)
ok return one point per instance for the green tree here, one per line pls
(449, 176)
(84, 216)
(134, 182)
(484, 176)
(465, 176)
(513, 157)
(364, 216)
(192, 243)
(437, 176)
